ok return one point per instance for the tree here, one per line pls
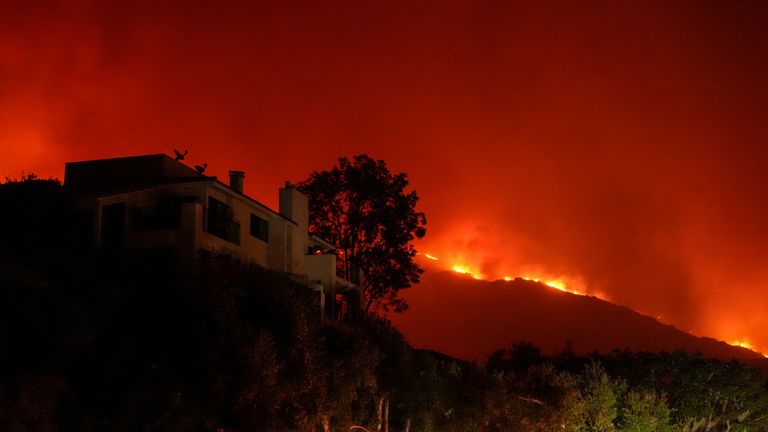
(645, 410)
(600, 395)
(518, 359)
(364, 211)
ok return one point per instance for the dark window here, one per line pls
(221, 222)
(164, 216)
(83, 227)
(113, 226)
(259, 228)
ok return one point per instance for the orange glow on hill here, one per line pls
(747, 345)
(560, 283)
(556, 283)
(466, 270)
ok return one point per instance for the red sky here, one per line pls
(620, 146)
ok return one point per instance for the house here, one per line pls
(154, 205)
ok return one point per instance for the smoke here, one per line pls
(619, 147)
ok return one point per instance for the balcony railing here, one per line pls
(221, 226)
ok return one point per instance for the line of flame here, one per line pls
(747, 345)
(560, 285)
(557, 284)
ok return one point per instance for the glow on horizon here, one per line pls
(745, 344)
(561, 285)
(558, 284)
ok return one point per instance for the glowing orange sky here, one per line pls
(623, 146)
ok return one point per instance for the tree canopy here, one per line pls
(365, 211)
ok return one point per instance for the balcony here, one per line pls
(221, 226)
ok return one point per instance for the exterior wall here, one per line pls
(139, 191)
(278, 238)
(321, 268)
(278, 253)
(250, 249)
(182, 239)
(342, 299)
(295, 206)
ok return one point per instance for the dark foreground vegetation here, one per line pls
(90, 344)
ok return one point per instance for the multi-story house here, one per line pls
(157, 206)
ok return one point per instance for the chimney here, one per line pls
(236, 179)
(294, 205)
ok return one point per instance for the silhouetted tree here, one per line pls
(365, 212)
(518, 358)
(348, 369)
(600, 394)
(645, 410)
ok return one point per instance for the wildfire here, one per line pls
(466, 270)
(557, 284)
(747, 345)
(742, 344)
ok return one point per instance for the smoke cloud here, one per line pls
(620, 147)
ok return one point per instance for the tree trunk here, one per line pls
(386, 415)
(325, 420)
(380, 412)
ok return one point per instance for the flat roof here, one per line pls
(114, 176)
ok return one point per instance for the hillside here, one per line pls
(469, 319)
(96, 342)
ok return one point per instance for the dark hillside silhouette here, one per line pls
(478, 317)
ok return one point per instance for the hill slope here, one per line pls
(469, 319)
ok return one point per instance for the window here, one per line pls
(113, 226)
(166, 215)
(259, 228)
(221, 221)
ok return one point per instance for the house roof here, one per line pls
(106, 177)
(320, 242)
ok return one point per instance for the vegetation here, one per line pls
(364, 211)
(87, 343)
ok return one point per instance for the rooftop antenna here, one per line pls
(201, 168)
(180, 156)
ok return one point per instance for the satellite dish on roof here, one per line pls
(201, 168)
(179, 155)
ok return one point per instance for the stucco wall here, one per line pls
(192, 235)
(321, 268)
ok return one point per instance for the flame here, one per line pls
(745, 344)
(558, 284)
(467, 271)
(561, 284)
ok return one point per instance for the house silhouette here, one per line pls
(156, 206)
